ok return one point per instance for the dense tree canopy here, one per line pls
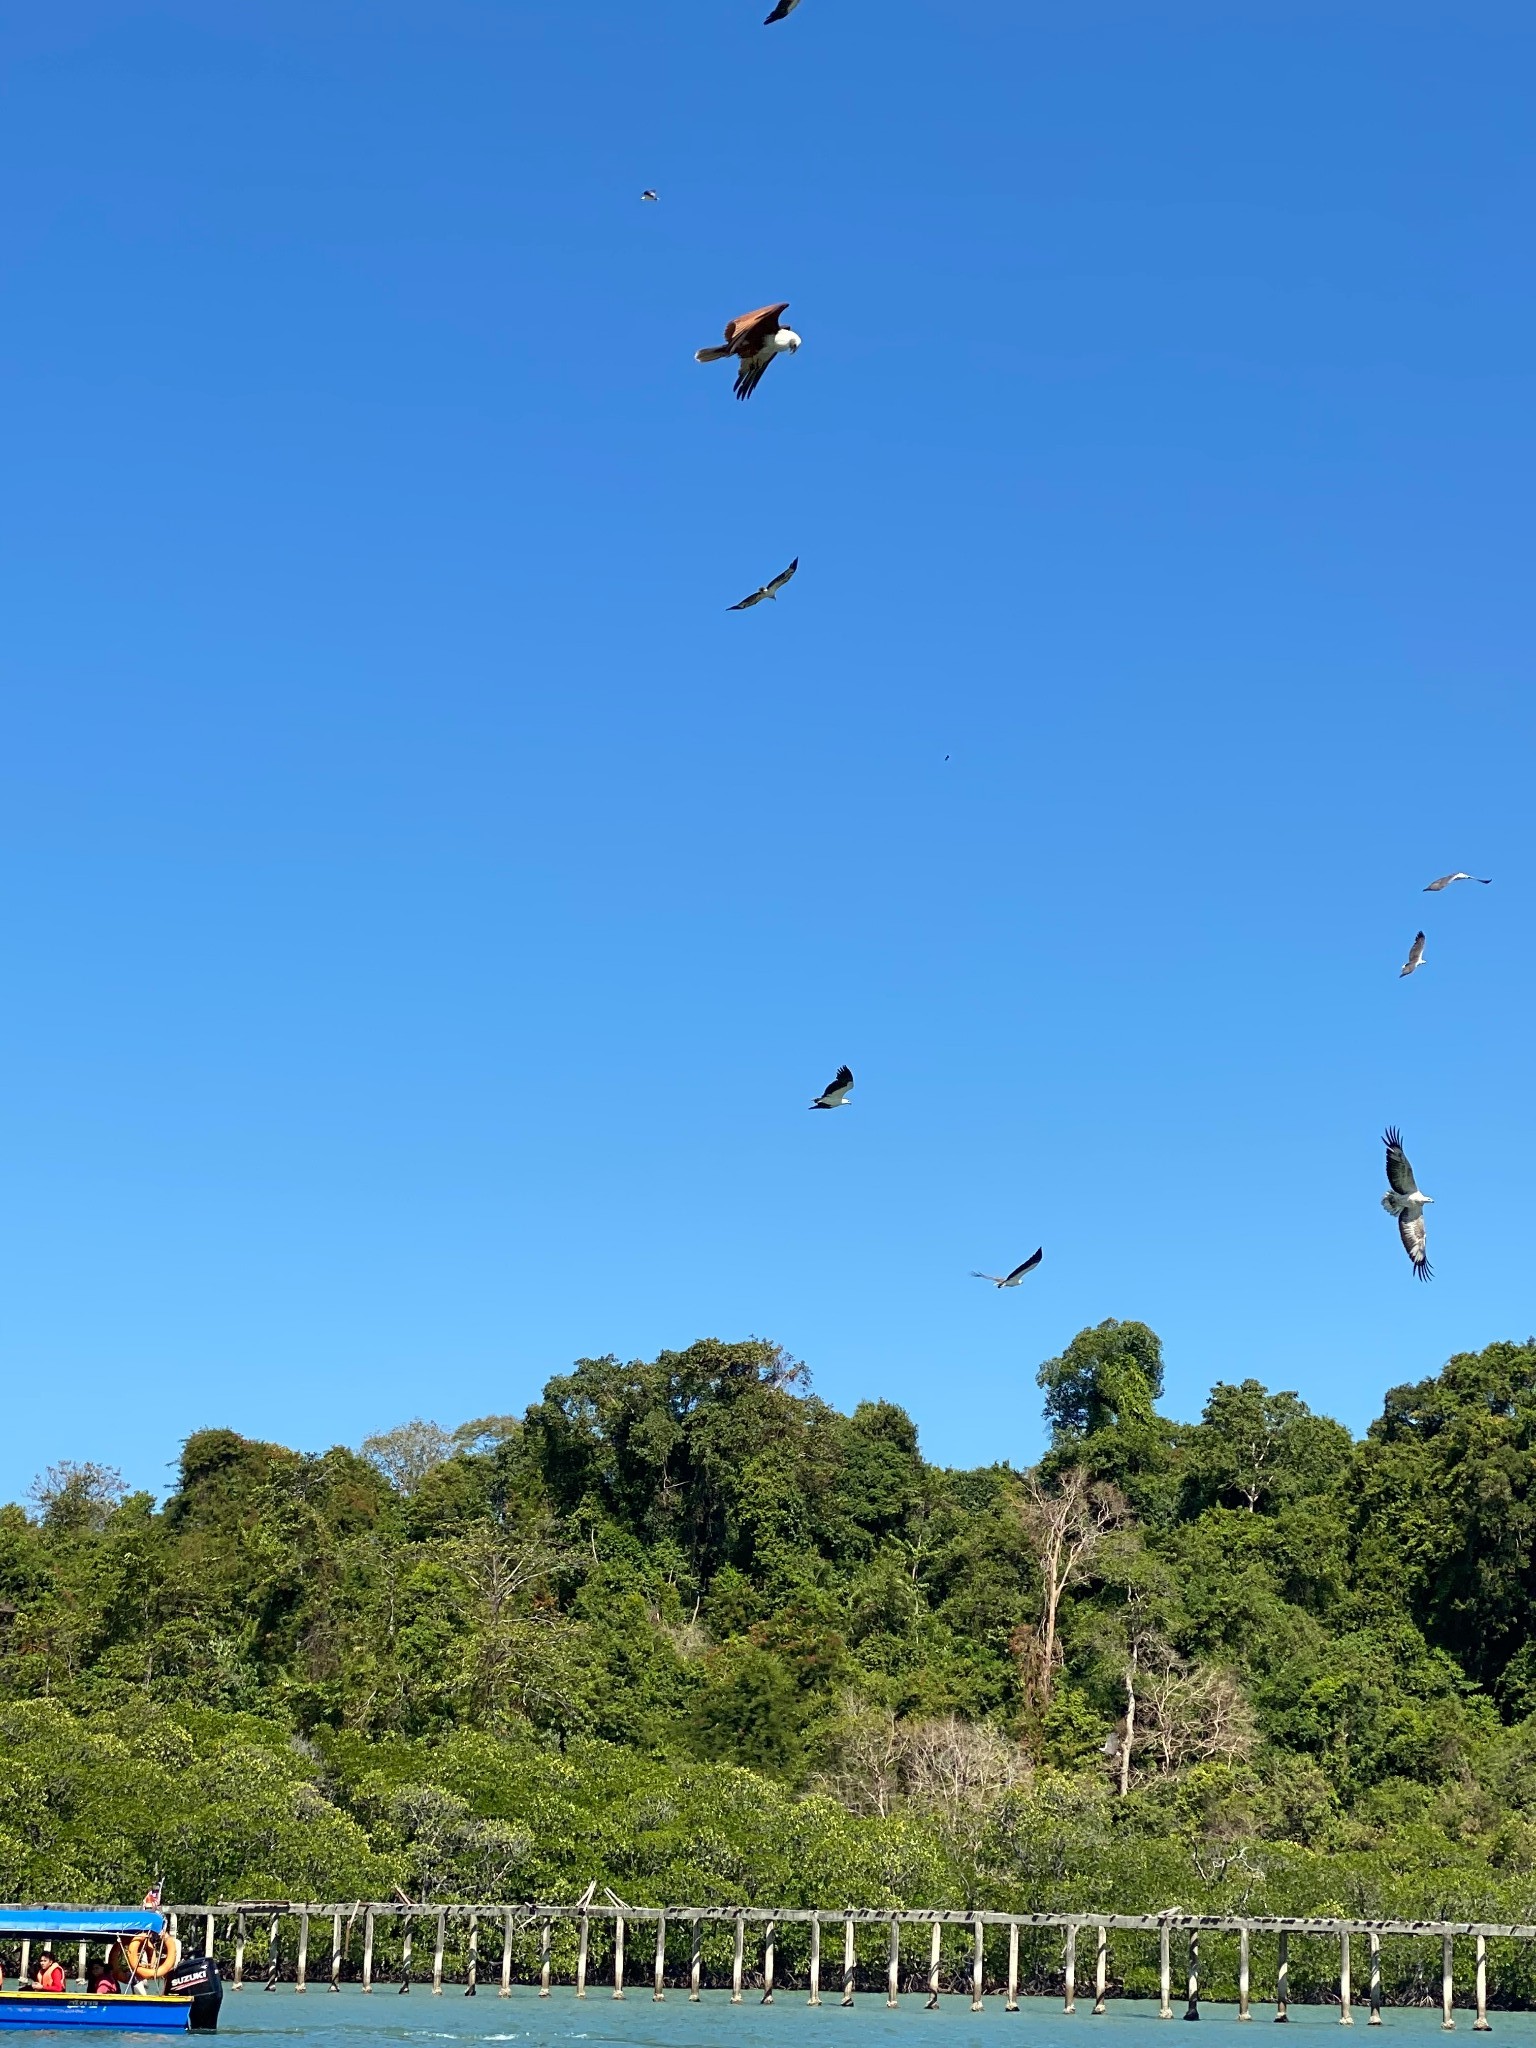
(685, 1627)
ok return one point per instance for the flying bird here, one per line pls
(1415, 956)
(1407, 1202)
(767, 590)
(754, 339)
(1012, 1279)
(836, 1094)
(1445, 882)
(647, 195)
(780, 13)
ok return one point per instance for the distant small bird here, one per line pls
(836, 1094)
(1445, 882)
(1407, 1202)
(1012, 1279)
(1415, 956)
(781, 12)
(767, 590)
(754, 339)
(647, 195)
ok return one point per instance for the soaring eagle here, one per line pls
(1012, 1279)
(754, 339)
(1415, 956)
(784, 8)
(1445, 882)
(1407, 1203)
(837, 1091)
(766, 590)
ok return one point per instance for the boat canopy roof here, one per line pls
(68, 1923)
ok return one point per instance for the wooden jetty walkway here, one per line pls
(381, 1944)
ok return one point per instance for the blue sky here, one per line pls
(428, 911)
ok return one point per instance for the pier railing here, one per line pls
(381, 1944)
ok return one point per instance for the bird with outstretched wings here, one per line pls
(1445, 882)
(1012, 1279)
(754, 339)
(836, 1094)
(1406, 1200)
(766, 590)
(780, 13)
(1415, 956)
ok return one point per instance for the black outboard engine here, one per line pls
(197, 1978)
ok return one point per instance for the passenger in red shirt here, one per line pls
(48, 1976)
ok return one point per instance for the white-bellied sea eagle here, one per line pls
(1406, 1202)
(836, 1094)
(766, 590)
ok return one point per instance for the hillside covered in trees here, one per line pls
(686, 1629)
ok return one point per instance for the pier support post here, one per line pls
(1346, 1988)
(405, 1957)
(544, 1961)
(208, 1936)
(1375, 1992)
(1447, 1989)
(506, 1955)
(271, 1983)
(82, 1976)
(659, 1982)
(1480, 2024)
(1283, 1981)
(850, 1960)
(769, 1945)
(1069, 1971)
(472, 1973)
(335, 1983)
(583, 1945)
(1244, 1974)
(696, 1960)
(738, 1954)
(1101, 1970)
(301, 1961)
(26, 1964)
(978, 1963)
(437, 1954)
(1192, 2010)
(815, 1997)
(239, 1977)
(618, 1955)
(893, 1973)
(1011, 2003)
(368, 1950)
(935, 1955)
(1164, 1972)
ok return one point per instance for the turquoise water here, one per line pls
(351, 2019)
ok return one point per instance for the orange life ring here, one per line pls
(152, 1956)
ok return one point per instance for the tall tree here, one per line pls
(1066, 1522)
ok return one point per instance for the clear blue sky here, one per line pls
(428, 912)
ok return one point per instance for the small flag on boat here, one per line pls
(152, 1896)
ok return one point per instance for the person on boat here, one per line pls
(49, 1974)
(118, 1965)
(103, 1977)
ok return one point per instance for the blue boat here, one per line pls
(160, 1991)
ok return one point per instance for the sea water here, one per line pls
(350, 2018)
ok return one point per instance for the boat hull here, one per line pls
(68, 2010)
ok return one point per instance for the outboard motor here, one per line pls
(197, 1978)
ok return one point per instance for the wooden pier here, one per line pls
(596, 1945)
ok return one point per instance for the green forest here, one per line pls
(684, 1629)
